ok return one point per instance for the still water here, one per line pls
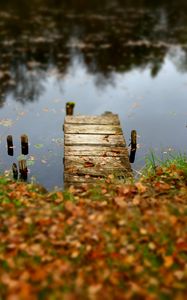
(128, 57)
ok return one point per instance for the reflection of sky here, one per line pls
(155, 107)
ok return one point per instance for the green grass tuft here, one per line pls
(153, 161)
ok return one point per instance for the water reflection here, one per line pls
(129, 57)
(109, 36)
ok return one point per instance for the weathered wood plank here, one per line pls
(96, 165)
(97, 120)
(94, 139)
(97, 161)
(92, 129)
(95, 150)
(100, 172)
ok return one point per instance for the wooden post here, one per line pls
(24, 144)
(133, 146)
(15, 171)
(10, 147)
(23, 169)
(69, 108)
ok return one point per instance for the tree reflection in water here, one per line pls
(40, 37)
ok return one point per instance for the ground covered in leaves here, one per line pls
(105, 242)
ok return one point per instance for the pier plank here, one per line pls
(97, 120)
(95, 150)
(92, 129)
(94, 139)
(96, 162)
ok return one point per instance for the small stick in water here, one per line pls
(10, 147)
(23, 169)
(15, 171)
(133, 146)
(24, 144)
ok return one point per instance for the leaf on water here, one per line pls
(22, 113)
(135, 105)
(32, 157)
(38, 146)
(30, 162)
(43, 161)
(46, 109)
(58, 141)
(56, 100)
(6, 122)
(173, 113)
(20, 157)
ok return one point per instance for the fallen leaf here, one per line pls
(6, 122)
(168, 261)
(38, 146)
(120, 201)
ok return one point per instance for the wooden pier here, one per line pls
(94, 148)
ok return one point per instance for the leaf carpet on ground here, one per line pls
(102, 242)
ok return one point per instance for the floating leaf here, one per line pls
(20, 157)
(38, 146)
(58, 141)
(30, 162)
(43, 161)
(6, 122)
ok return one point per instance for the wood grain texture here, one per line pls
(100, 172)
(92, 129)
(96, 165)
(96, 161)
(95, 150)
(94, 139)
(95, 120)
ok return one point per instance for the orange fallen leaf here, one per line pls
(119, 200)
(141, 188)
(168, 261)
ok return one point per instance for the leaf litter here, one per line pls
(107, 241)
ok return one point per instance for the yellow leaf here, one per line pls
(151, 246)
(93, 289)
(143, 231)
(136, 200)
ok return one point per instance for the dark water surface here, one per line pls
(128, 57)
